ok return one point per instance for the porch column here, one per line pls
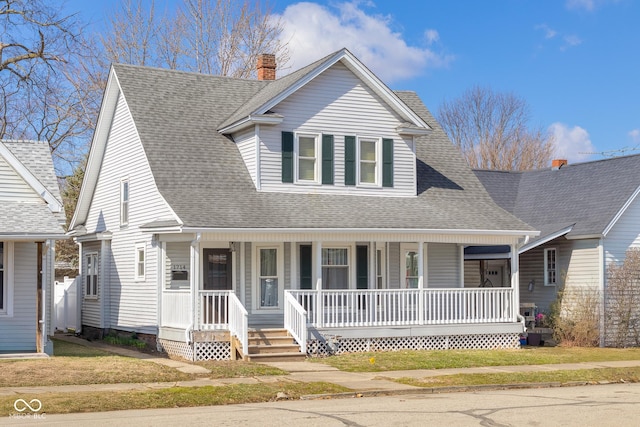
(515, 281)
(461, 270)
(317, 247)
(195, 280)
(421, 283)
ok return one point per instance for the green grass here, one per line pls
(442, 359)
(238, 368)
(63, 403)
(587, 375)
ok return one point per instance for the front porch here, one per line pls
(334, 321)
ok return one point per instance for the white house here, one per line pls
(589, 216)
(31, 220)
(321, 202)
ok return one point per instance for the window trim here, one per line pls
(547, 269)
(351, 263)
(124, 203)
(318, 158)
(95, 265)
(7, 277)
(140, 247)
(378, 160)
(279, 247)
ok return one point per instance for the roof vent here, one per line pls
(558, 163)
(266, 66)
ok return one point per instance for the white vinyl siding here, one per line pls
(624, 234)
(177, 265)
(337, 103)
(13, 186)
(443, 265)
(18, 332)
(246, 143)
(130, 304)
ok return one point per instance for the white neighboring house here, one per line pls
(322, 202)
(31, 220)
(589, 216)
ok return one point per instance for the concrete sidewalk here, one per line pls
(306, 371)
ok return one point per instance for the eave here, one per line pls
(253, 119)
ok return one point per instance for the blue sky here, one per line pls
(575, 62)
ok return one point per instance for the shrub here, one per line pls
(574, 317)
(622, 313)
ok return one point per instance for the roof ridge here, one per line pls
(192, 73)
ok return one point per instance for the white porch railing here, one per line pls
(176, 309)
(295, 321)
(239, 321)
(394, 307)
(213, 310)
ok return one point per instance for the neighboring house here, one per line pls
(588, 215)
(322, 201)
(31, 220)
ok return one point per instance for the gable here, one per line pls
(12, 186)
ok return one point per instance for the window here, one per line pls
(380, 284)
(3, 290)
(124, 202)
(91, 278)
(139, 265)
(550, 267)
(411, 269)
(268, 277)
(307, 158)
(335, 268)
(368, 161)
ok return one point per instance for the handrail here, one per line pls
(295, 320)
(239, 321)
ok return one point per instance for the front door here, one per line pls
(216, 270)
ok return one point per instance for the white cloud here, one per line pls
(313, 31)
(635, 135)
(571, 143)
(581, 4)
(549, 32)
(571, 41)
(432, 36)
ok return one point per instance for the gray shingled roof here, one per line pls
(201, 174)
(32, 218)
(585, 195)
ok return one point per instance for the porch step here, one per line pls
(272, 345)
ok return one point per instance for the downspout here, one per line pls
(195, 252)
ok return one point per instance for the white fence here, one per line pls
(66, 305)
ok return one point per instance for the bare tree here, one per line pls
(221, 37)
(491, 129)
(622, 314)
(38, 44)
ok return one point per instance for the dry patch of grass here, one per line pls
(238, 368)
(441, 359)
(588, 375)
(63, 403)
(76, 364)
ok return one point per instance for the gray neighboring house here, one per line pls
(321, 203)
(31, 220)
(588, 214)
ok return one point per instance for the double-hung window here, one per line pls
(550, 267)
(335, 268)
(368, 161)
(308, 159)
(124, 202)
(268, 277)
(140, 259)
(91, 277)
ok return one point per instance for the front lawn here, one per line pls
(442, 359)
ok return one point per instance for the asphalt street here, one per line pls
(595, 405)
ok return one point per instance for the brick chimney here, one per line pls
(266, 66)
(558, 163)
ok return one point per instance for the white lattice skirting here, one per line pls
(318, 347)
(197, 351)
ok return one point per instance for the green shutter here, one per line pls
(362, 267)
(349, 160)
(287, 156)
(327, 159)
(387, 162)
(305, 267)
